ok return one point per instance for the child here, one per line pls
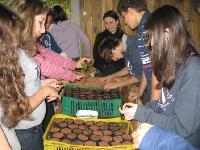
(176, 66)
(29, 132)
(13, 101)
(68, 34)
(114, 49)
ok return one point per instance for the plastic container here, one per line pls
(53, 145)
(105, 108)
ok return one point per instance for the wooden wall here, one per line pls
(91, 13)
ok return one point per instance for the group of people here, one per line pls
(161, 57)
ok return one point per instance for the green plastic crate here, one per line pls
(106, 108)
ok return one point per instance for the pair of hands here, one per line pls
(107, 83)
(129, 109)
(53, 86)
(79, 64)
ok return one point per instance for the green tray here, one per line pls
(106, 108)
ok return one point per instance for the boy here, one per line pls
(114, 49)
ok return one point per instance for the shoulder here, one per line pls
(189, 72)
(192, 64)
(101, 35)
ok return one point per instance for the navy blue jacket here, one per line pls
(48, 41)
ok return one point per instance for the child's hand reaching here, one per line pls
(129, 109)
(80, 63)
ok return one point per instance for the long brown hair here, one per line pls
(13, 101)
(27, 12)
(168, 53)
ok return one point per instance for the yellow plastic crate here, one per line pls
(53, 145)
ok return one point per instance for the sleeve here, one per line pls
(56, 59)
(157, 138)
(133, 54)
(51, 70)
(84, 39)
(180, 122)
(98, 61)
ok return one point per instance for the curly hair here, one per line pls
(27, 12)
(13, 101)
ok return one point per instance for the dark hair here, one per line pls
(111, 13)
(137, 5)
(106, 47)
(13, 101)
(168, 54)
(58, 14)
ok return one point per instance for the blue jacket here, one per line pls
(159, 139)
(48, 42)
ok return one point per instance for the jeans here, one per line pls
(31, 139)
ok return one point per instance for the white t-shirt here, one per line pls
(32, 84)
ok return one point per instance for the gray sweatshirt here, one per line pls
(178, 110)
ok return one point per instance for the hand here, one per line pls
(129, 109)
(52, 93)
(140, 133)
(106, 79)
(53, 83)
(81, 61)
(110, 85)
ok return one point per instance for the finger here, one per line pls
(121, 111)
(134, 135)
(124, 106)
(130, 104)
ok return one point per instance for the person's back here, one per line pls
(67, 34)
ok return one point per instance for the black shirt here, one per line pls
(99, 63)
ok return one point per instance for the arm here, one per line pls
(4, 142)
(52, 70)
(41, 95)
(56, 59)
(82, 36)
(181, 123)
(120, 73)
(113, 85)
(158, 138)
